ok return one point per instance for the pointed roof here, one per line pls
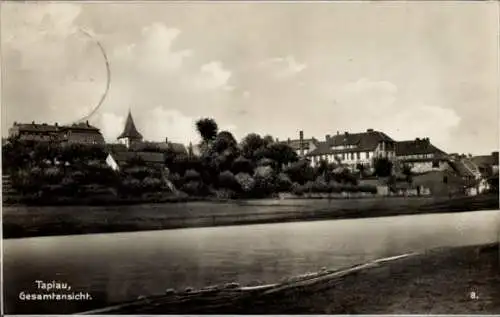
(130, 131)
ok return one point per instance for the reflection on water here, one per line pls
(121, 266)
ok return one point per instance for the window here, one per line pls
(343, 156)
(435, 164)
(358, 155)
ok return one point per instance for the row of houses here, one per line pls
(349, 149)
(352, 149)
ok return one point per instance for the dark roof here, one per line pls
(82, 126)
(178, 147)
(36, 127)
(130, 131)
(148, 157)
(365, 141)
(417, 147)
(486, 160)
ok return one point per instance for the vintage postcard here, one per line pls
(247, 157)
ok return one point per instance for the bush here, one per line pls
(283, 182)
(265, 172)
(242, 165)
(297, 189)
(194, 188)
(319, 186)
(227, 180)
(150, 183)
(191, 175)
(245, 181)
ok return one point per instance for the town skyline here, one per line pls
(276, 74)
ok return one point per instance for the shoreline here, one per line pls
(17, 224)
(438, 281)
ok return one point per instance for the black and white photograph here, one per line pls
(248, 157)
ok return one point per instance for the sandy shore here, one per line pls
(462, 280)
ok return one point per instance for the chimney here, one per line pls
(289, 140)
(166, 140)
(338, 133)
(56, 124)
(33, 122)
(15, 122)
(87, 122)
(346, 133)
(277, 140)
(301, 138)
(417, 139)
(369, 130)
(327, 137)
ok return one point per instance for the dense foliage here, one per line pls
(255, 167)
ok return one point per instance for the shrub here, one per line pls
(242, 165)
(191, 175)
(195, 188)
(283, 182)
(150, 183)
(297, 189)
(264, 172)
(245, 181)
(227, 180)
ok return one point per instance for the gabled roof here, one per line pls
(178, 147)
(486, 160)
(365, 141)
(130, 131)
(36, 127)
(417, 147)
(82, 126)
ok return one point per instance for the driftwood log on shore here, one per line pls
(391, 285)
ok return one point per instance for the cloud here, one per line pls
(283, 67)
(111, 126)
(170, 123)
(376, 104)
(213, 76)
(154, 52)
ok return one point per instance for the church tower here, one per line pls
(130, 134)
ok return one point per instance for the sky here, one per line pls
(410, 69)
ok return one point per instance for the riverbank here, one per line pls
(463, 280)
(22, 221)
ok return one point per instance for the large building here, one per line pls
(82, 133)
(421, 155)
(351, 149)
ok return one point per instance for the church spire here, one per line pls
(130, 131)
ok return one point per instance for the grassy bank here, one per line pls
(462, 280)
(22, 221)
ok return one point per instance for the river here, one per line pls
(121, 266)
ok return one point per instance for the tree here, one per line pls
(383, 167)
(281, 153)
(251, 144)
(207, 128)
(224, 141)
(408, 173)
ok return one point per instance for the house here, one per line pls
(351, 149)
(302, 146)
(130, 135)
(487, 164)
(34, 131)
(117, 160)
(421, 155)
(81, 133)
